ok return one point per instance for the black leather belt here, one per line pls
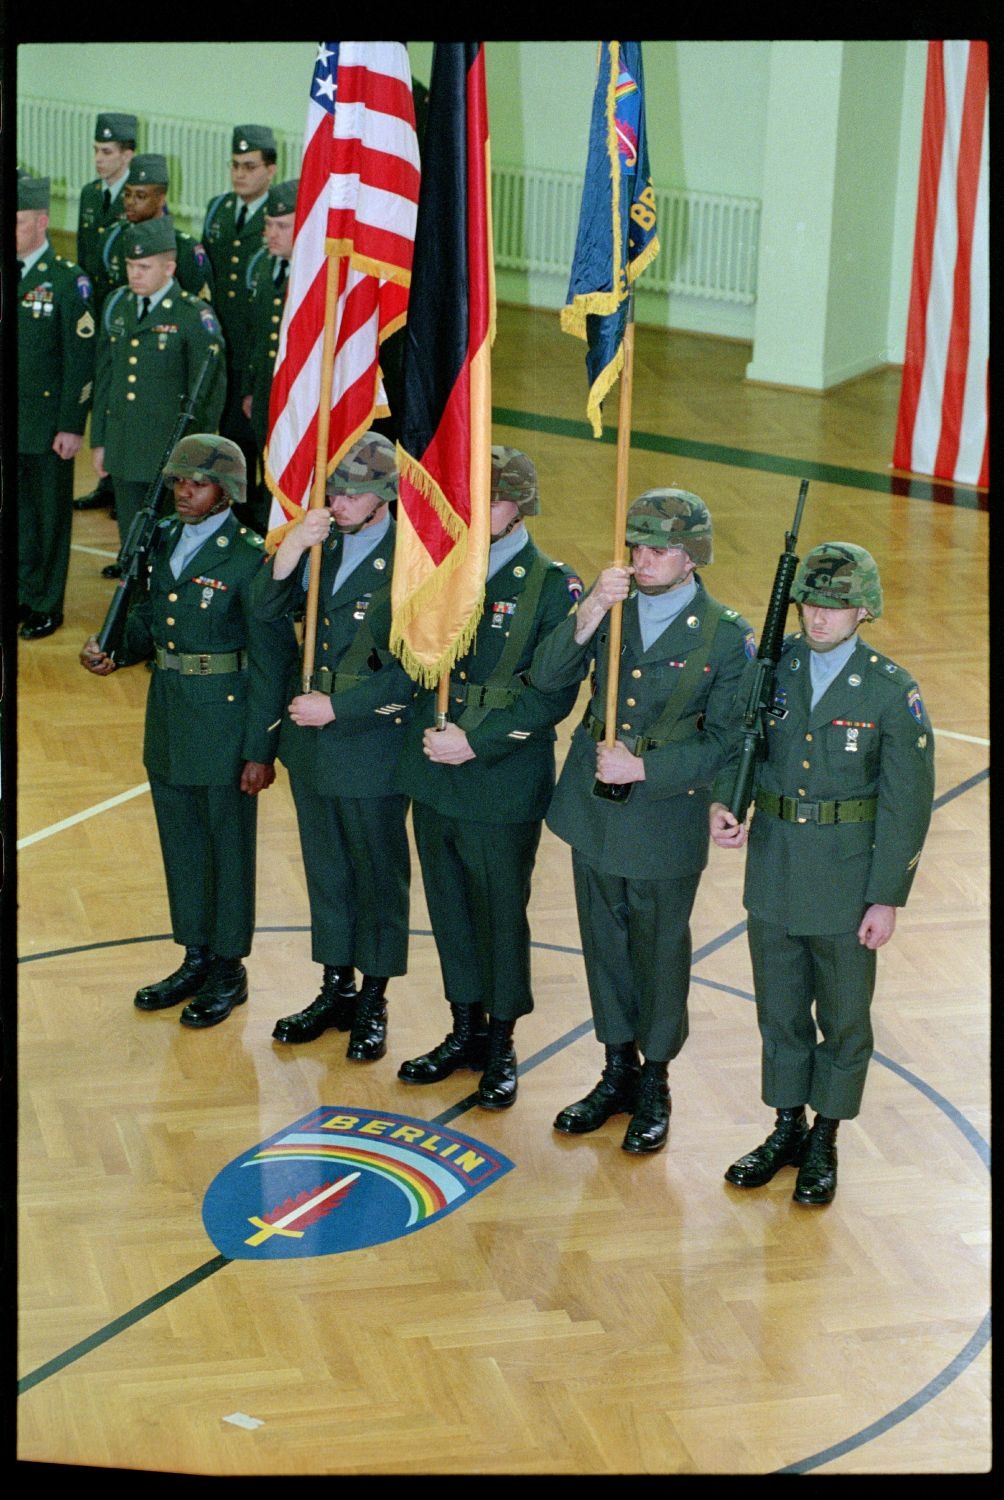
(792, 810)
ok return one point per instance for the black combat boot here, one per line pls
(615, 1094)
(226, 986)
(466, 1046)
(368, 1037)
(649, 1125)
(497, 1089)
(784, 1147)
(817, 1176)
(180, 985)
(335, 1007)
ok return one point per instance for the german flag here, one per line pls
(444, 450)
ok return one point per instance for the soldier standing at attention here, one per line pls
(55, 367)
(340, 743)
(101, 207)
(145, 197)
(268, 283)
(215, 694)
(232, 235)
(153, 342)
(637, 857)
(842, 806)
(479, 790)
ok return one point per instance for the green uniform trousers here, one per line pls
(477, 886)
(823, 1068)
(208, 838)
(358, 866)
(44, 524)
(636, 945)
(129, 497)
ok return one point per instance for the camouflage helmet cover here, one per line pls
(368, 468)
(671, 518)
(514, 477)
(839, 575)
(209, 459)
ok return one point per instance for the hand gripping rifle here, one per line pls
(140, 544)
(761, 689)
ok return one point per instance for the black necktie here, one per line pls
(280, 279)
(106, 200)
(241, 217)
(20, 269)
(144, 309)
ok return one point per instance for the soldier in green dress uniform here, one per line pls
(153, 341)
(215, 696)
(55, 368)
(145, 197)
(480, 788)
(102, 206)
(340, 743)
(232, 235)
(842, 804)
(268, 282)
(638, 850)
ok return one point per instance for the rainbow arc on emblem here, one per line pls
(428, 1188)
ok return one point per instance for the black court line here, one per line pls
(883, 1424)
(943, 492)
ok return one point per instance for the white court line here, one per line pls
(970, 739)
(81, 817)
(94, 551)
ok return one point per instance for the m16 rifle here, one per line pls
(138, 549)
(760, 695)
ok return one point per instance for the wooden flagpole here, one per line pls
(320, 467)
(620, 526)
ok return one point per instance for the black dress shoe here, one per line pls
(816, 1183)
(649, 1125)
(615, 1094)
(24, 612)
(36, 626)
(226, 987)
(111, 571)
(368, 1037)
(334, 1007)
(96, 500)
(784, 1147)
(466, 1046)
(180, 985)
(500, 1080)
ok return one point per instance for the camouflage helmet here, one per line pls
(514, 478)
(209, 459)
(368, 468)
(671, 518)
(839, 575)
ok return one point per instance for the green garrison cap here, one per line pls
(671, 518)
(253, 138)
(839, 575)
(369, 467)
(149, 167)
(514, 477)
(33, 192)
(207, 458)
(282, 198)
(149, 238)
(114, 127)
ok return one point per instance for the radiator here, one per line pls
(708, 240)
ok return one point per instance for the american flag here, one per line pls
(357, 200)
(942, 427)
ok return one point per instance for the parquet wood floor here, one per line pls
(591, 1313)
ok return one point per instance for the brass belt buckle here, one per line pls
(203, 664)
(807, 811)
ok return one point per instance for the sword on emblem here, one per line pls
(314, 1207)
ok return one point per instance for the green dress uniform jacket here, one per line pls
(93, 224)
(144, 371)
(55, 368)
(637, 863)
(215, 695)
(267, 303)
(229, 251)
(867, 737)
(193, 272)
(661, 831)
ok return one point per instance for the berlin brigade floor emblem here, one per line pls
(343, 1179)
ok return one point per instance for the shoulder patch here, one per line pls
(208, 322)
(83, 286)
